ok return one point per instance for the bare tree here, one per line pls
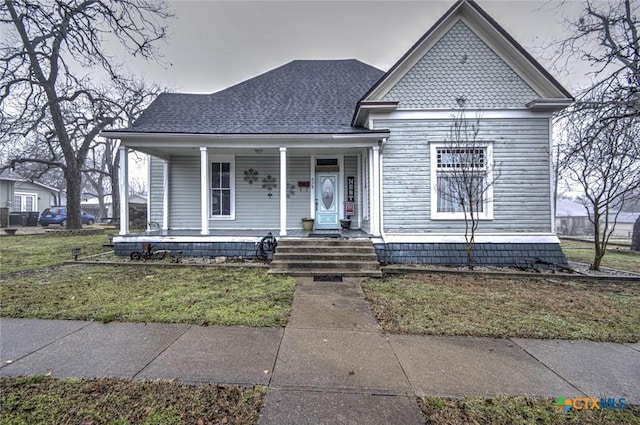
(599, 146)
(466, 176)
(51, 50)
(101, 170)
(601, 156)
(607, 35)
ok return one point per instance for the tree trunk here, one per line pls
(597, 259)
(74, 193)
(635, 240)
(102, 209)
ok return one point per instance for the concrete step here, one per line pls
(324, 242)
(323, 264)
(336, 272)
(312, 256)
(334, 249)
(326, 255)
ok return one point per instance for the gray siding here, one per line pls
(6, 193)
(521, 198)
(461, 64)
(156, 189)
(184, 192)
(44, 196)
(299, 199)
(254, 209)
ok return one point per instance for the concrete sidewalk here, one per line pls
(331, 364)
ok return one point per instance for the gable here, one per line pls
(460, 64)
(464, 51)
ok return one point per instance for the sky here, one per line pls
(216, 44)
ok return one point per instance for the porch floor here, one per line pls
(257, 233)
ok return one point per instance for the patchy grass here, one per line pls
(470, 305)
(617, 257)
(516, 411)
(197, 295)
(41, 400)
(22, 253)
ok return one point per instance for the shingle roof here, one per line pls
(303, 96)
(9, 175)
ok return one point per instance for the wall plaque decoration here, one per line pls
(269, 183)
(291, 190)
(250, 175)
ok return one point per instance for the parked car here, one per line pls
(58, 215)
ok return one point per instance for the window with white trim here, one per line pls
(223, 188)
(461, 180)
(24, 202)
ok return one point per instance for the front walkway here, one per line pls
(331, 364)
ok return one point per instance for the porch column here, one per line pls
(148, 218)
(375, 185)
(124, 189)
(283, 191)
(359, 190)
(165, 194)
(204, 191)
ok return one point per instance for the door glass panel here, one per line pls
(327, 193)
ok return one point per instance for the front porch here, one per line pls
(215, 190)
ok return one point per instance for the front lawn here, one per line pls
(41, 400)
(127, 293)
(617, 257)
(518, 411)
(527, 307)
(21, 253)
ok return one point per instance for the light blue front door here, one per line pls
(327, 198)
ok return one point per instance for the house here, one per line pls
(572, 219)
(19, 197)
(91, 205)
(335, 139)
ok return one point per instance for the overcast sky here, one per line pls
(215, 44)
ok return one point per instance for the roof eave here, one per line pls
(243, 136)
(549, 105)
(364, 108)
